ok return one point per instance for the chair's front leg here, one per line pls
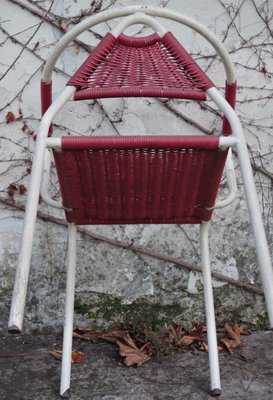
(22, 272)
(210, 317)
(69, 310)
(23, 267)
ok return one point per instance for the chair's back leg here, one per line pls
(262, 250)
(210, 317)
(69, 310)
(261, 245)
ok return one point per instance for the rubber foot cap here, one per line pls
(14, 329)
(215, 392)
(66, 394)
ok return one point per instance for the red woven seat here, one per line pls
(150, 66)
(128, 180)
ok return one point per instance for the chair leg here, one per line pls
(210, 317)
(69, 311)
(261, 245)
(23, 267)
(22, 272)
(263, 254)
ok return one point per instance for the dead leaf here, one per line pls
(131, 353)
(198, 330)
(236, 329)
(205, 347)
(22, 189)
(77, 357)
(244, 330)
(232, 334)
(12, 186)
(10, 192)
(94, 336)
(10, 117)
(57, 354)
(12, 189)
(227, 343)
(88, 335)
(77, 49)
(25, 127)
(186, 341)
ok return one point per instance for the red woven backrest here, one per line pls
(147, 66)
(130, 180)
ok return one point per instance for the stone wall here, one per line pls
(115, 284)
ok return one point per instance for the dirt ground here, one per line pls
(28, 371)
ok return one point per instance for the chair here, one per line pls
(139, 179)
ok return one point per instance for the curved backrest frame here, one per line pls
(139, 11)
(145, 15)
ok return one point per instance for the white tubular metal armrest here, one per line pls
(144, 11)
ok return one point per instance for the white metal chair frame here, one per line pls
(41, 164)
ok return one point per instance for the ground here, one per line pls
(28, 372)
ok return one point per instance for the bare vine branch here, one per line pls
(28, 41)
(138, 249)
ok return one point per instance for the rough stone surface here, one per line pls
(115, 285)
(27, 371)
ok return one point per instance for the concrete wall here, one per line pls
(115, 285)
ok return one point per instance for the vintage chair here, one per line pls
(139, 180)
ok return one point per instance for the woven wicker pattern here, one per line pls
(129, 180)
(149, 66)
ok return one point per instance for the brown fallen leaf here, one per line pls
(86, 334)
(131, 353)
(232, 334)
(205, 347)
(57, 354)
(77, 49)
(228, 344)
(95, 336)
(244, 330)
(186, 341)
(166, 335)
(236, 329)
(77, 357)
(198, 330)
